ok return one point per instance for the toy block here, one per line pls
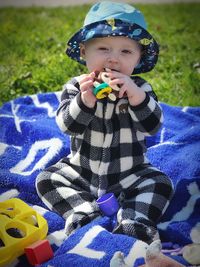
(20, 226)
(39, 252)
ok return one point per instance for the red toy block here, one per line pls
(39, 252)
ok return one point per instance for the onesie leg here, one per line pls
(145, 200)
(63, 190)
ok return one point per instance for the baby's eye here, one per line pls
(103, 48)
(126, 51)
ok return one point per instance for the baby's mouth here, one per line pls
(108, 69)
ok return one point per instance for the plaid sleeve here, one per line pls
(72, 115)
(148, 115)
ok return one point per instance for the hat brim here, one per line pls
(116, 27)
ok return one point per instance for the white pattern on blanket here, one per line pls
(30, 141)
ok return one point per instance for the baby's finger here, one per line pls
(86, 77)
(86, 85)
(116, 82)
(114, 74)
(121, 92)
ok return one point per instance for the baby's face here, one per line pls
(117, 53)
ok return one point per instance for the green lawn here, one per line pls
(33, 42)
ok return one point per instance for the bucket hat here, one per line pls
(108, 18)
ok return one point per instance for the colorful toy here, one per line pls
(109, 206)
(20, 226)
(39, 252)
(102, 88)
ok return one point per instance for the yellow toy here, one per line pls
(20, 226)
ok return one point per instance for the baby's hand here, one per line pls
(86, 87)
(127, 86)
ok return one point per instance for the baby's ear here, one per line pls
(82, 50)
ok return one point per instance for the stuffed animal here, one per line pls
(102, 88)
(154, 258)
(191, 252)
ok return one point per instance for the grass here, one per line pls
(33, 42)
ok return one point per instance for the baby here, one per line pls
(108, 137)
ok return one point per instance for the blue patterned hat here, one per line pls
(116, 19)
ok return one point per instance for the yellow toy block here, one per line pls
(20, 226)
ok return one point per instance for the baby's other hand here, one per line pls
(127, 87)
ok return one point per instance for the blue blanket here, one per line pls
(30, 141)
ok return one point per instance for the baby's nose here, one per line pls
(113, 57)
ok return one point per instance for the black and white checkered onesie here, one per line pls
(107, 155)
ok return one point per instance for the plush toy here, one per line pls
(102, 88)
(191, 252)
(154, 258)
